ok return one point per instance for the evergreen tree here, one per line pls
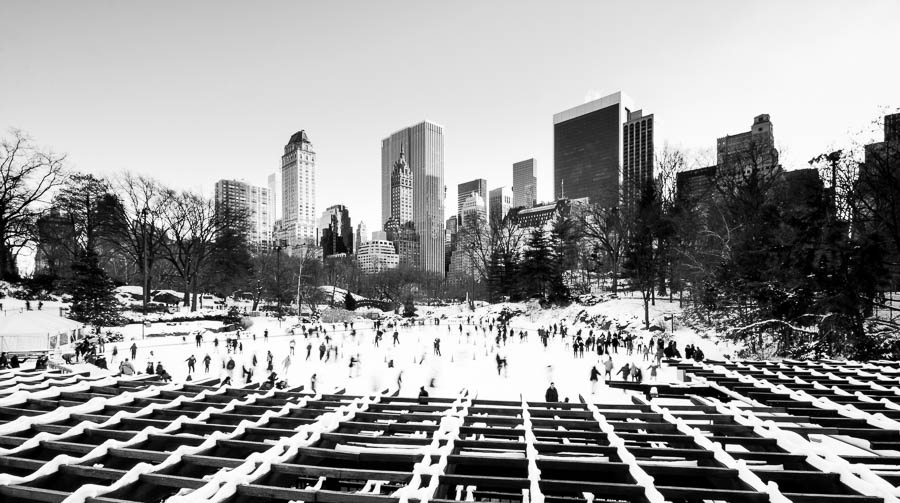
(93, 298)
(537, 269)
(349, 302)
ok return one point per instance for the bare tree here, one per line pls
(139, 229)
(607, 231)
(27, 176)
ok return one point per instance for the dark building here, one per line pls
(696, 185)
(637, 155)
(337, 231)
(878, 193)
(588, 150)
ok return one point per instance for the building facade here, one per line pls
(499, 203)
(739, 155)
(377, 255)
(696, 185)
(637, 155)
(587, 150)
(298, 189)
(337, 231)
(423, 145)
(255, 202)
(465, 189)
(362, 235)
(524, 184)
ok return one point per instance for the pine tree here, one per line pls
(349, 302)
(93, 298)
(537, 267)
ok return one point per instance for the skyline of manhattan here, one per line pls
(197, 120)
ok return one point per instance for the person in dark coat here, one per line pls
(423, 396)
(551, 395)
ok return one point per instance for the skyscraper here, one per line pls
(637, 155)
(587, 150)
(500, 202)
(298, 188)
(524, 184)
(235, 195)
(400, 228)
(274, 183)
(337, 231)
(424, 149)
(465, 189)
(362, 235)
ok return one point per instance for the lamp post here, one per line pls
(144, 213)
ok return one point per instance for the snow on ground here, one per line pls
(467, 360)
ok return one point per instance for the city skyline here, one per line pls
(178, 100)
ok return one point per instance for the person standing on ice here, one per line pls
(608, 368)
(396, 337)
(115, 353)
(293, 345)
(191, 361)
(595, 379)
(437, 345)
(206, 362)
(423, 396)
(308, 349)
(551, 395)
(625, 371)
(133, 350)
(286, 363)
(312, 383)
(266, 335)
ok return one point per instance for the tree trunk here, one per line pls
(194, 294)
(646, 312)
(186, 295)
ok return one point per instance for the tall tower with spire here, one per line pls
(423, 153)
(401, 190)
(400, 228)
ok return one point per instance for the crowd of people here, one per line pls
(613, 352)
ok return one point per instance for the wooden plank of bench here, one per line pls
(340, 473)
(197, 459)
(172, 481)
(33, 493)
(93, 472)
(139, 454)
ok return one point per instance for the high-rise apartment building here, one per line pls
(275, 203)
(743, 153)
(465, 189)
(235, 195)
(423, 145)
(524, 184)
(298, 188)
(499, 204)
(637, 155)
(588, 150)
(377, 255)
(337, 231)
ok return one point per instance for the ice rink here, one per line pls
(467, 360)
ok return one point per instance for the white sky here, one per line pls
(191, 92)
